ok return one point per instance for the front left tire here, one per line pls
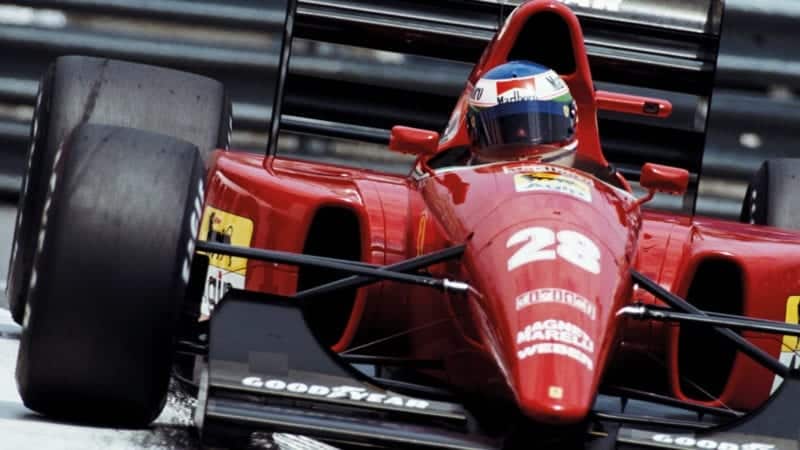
(79, 89)
(109, 275)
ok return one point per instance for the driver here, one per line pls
(521, 110)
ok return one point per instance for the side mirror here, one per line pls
(413, 141)
(633, 104)
(672, 180)
(658, 178)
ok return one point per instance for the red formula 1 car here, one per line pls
(461, 306)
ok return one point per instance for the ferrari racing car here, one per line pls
(473, 303)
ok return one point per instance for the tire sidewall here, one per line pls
(31, 201)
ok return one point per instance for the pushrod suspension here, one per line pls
(330, 263)
(758, 355)
(645, 312)
(409, 265)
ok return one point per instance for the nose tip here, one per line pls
(553, 403)
(555, 382)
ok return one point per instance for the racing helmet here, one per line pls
(522, 110)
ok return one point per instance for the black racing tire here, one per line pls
(80, 89)
(772, 198)
(110, 276)
(105, 91)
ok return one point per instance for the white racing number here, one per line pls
(572, 246)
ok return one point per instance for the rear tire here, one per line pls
(80, 89)
(772, 197)
(109, 276)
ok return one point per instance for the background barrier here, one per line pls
(664, 48)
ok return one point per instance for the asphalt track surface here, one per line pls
(21, 429)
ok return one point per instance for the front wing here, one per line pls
(266, 371)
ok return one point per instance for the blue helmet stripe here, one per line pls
(515, 69)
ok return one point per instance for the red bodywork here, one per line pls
(548, 251)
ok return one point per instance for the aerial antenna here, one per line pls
(283, 71)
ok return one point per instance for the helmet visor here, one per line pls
(524, 123)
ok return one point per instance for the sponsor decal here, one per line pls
(555, 81)
(531, 168)
(537, 243)
(350, 393)
(548, 348)
(561, 338)
(547, 168)
(554, 182)
(516, 90)
(790, 345)
(598, 5)
(544, 86)
(224, 272)
(477, 94)
(720, 441)
(556, 295)
(556, 330)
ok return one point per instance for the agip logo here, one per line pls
(224, 272)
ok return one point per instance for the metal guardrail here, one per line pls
(233, 42)
(634, 42)
(413, 90)
(754, 105)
